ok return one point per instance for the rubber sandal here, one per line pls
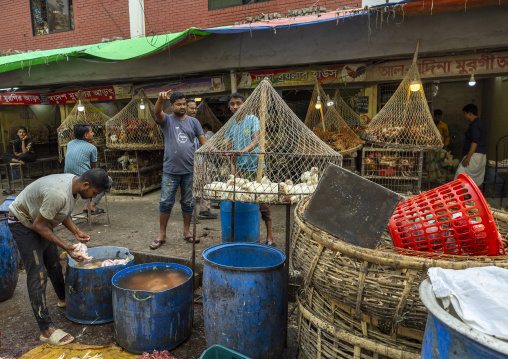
(270, 243)
(189, 240)
(157, 244)
(8, 192)
(98, 211)
(61, 305)
(55, 338)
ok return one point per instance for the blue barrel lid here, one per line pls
(4, 207)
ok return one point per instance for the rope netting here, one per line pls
(334, 131)
(317, 107)
(405, 121)
(83, 111)
(352, 119)
(39, 132)
(205, 115)
(264, 153)
(134, 127)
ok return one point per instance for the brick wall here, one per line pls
(92, 22)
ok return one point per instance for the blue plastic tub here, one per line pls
(88, 292)
(147, 321)
(9, 257)
(447, 336)
(247, 219)
(220, 352)
(244, 299)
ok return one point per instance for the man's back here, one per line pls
(80, 154)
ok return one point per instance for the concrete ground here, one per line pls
(133, 224)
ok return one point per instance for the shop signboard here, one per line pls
(363, 104)
(304, 76)
(187, 87)
(26, 99)
(100, 94)
(478, 64)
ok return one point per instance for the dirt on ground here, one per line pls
(134, 223)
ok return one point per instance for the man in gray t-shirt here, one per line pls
(40, 207)
(179, 132)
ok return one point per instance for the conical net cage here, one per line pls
(85, 112)
(40, 133)
(134, 127)
(206, 116)
(334, 131)
(263, 154)
(405, 121)
(317, 107)
(352, 118)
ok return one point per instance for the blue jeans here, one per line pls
(170, 185)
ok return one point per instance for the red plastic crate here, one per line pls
(386, 172)
(452, 219)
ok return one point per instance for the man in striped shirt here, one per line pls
(81, 156)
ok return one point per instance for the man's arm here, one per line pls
(42, 226)
(253, 143)
(472, 150)
(202, 139)
(159, 106)
(78, 233)
(93, 164)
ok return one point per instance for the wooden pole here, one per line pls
(262, 131)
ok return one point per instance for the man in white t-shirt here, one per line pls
(39, 208)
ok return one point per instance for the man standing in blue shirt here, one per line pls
(475, 158)
(179, 132)
(244, 135)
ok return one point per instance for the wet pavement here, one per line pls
(133, 224)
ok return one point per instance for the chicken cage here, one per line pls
(263, 154)
(134, 172)
(399, 170)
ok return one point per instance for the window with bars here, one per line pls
(220, 4)
(51, 16)
(386, 91)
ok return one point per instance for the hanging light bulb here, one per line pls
(472, 81)
(142, 105)
(415, 85)
(318, 103)
(81, 108)
(198, 99)
(330, 102)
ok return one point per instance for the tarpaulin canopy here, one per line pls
(120, 50)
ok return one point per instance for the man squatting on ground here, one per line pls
(179, 132)
(39, 208)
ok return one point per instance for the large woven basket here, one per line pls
(327, 329)
(380, 286)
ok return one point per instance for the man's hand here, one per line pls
(82, 236)
(465, 161)
(164, 95)
(76, 257)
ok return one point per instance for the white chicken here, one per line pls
(299, 191)
(214, 189)
(310, 177)
(113, 138)
(124, 160)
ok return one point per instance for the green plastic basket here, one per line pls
(219, 352)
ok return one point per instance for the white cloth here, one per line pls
(51, 196)
(478, 296)
(476, 168)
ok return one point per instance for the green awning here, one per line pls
(120, 50)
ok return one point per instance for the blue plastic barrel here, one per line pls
(8, 256)
(246, 222)
(446, 336)
(88, 292)
(244, 299)
(147, 321)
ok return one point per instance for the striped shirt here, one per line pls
(80, 155)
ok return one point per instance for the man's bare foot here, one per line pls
(161, 238)
(187, 234)
(47, 333)
(62, 303)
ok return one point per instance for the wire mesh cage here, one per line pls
(399, 170)
(205, 116)
(83, 111)
(405, 121)
(134, 127)
(28, 119)
(134, 172)
(264, 154)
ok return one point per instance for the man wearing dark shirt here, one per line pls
(24, 149)
(475, 158)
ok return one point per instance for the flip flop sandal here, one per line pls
(157, 244)
(270, 243)
(61, 305)
(189, 240)
(98, 211)
(55, 338)
(8, 192)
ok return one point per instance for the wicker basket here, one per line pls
(326, 329)
(381, 284)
